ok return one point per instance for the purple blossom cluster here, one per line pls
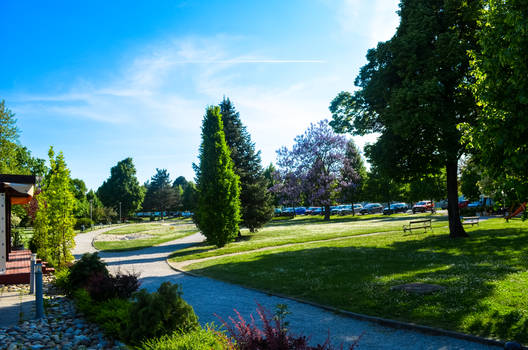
(316, 169)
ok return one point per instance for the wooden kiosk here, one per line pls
(14, 189)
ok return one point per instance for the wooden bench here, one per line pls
(418, 224)
(470, 220)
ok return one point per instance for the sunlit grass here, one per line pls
(306, 229)
(485, 276)
(148, 235)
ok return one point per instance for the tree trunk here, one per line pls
(455, 226)
(327, 213)
(353, 211)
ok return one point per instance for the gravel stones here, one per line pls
(61, 328)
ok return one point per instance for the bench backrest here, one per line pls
(420, 221)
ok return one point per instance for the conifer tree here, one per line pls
(54, 219)
(218, 212)
(255, 199)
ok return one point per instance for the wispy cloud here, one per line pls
(379, 16)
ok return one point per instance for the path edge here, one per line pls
(379, 320)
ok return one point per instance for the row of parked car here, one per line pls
(346, 209)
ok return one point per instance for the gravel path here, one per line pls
(209, 297)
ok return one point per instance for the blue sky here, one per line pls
(106, 80)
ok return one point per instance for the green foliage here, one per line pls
(111, 315)
(80, 273)
(218, 212)
(160, 194)
(159, 313)
(469, 181)
(54, 221)
(190, 197)
(256, 207)
(122, 187)
(62, 279)
(83, 222)
(199, 339)
(428, 186)
(501, 88)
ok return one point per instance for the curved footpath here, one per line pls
(209, 297)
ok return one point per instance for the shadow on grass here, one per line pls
(359, 279)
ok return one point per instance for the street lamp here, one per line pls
(120, 218)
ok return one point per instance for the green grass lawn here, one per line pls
(157, 233)
(301, 229)
(485, 276)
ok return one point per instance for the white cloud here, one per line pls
(377, 16)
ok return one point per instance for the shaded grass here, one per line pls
(485, 276)
(305, 229)
(158, 233)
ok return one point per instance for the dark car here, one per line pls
(371, 208)
(422, 207)
(395, 208)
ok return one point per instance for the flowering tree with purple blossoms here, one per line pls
(314, 168)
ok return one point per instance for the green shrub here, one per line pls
(84, 269)
(199, 339)
(62, 279)
(112, 316)
(87, 222)
(84, 303)
(159, 313)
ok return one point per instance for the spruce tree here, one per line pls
(218, 212)
(256, 201)
(54, 219)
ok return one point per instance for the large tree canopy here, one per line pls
(122, 187)
(412, 92)
(255, 200)
(501, 69)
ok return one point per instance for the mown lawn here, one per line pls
(485, 276)
(302, 229)
(149, 235)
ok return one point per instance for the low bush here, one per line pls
(207, 338)
(273, 336)
(62, 279)
(103, 287)
(111, 315)
(86, 222)
(82, 270)
(156, 314)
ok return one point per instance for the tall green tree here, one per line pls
(160, 194)
(122, 187)
(353, 175)
(500, 67)
(218, 212)
(82, 207)
(54, 221)
(412, 91)
(255, 199)
(190, 197)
